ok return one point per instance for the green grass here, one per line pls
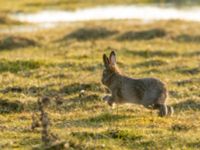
(60, 62)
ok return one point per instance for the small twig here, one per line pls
(46, 138)
(41, 119)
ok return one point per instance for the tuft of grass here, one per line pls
(187, 38)
(194, 145)
(124, 135)
(7, 106)
(187, 105)
(179, 127)
(18, 65)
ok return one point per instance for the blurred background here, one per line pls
(45, 14)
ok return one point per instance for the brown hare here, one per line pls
(145, 91)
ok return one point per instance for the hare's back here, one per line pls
(153, 83)
(145, 90)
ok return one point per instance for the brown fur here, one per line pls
(145, 91)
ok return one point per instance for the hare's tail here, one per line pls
(164, 110)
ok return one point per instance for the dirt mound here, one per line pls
(12, 42)
(84, 34)
(142, 35)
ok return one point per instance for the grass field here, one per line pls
(59, 63)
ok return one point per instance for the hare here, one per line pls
(145, 91)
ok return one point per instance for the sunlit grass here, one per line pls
(63, 61)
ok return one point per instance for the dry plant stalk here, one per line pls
(45, 133)
(42, 120)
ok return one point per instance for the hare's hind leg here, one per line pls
(161, 103)
(170, 110)
(157, 103)
(163, 111)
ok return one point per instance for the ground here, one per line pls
(59, 63)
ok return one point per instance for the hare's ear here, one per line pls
(105, 60)
(112, 58)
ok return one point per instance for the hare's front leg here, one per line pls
(108, 99)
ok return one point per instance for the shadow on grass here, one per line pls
(150, 54)
(78, 102)
(109, 134)
(187, 70)
(191, 54)
(153, 71)
(77, 67)
(104, 117)
(47, 90)
(150, 63)
(7, 106)
(87, 90)
(12, 42)
(180, 127)
(18, 65)
(187, 38)
(12, 106)
(194, 145)
(56, 96)
(14, 89)
(142, 35)
(131, 139)
(187, 105)
(97, 121)
(84, 34)
(31, 141)
(189, 81)
(77, 87)
(34, 91)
